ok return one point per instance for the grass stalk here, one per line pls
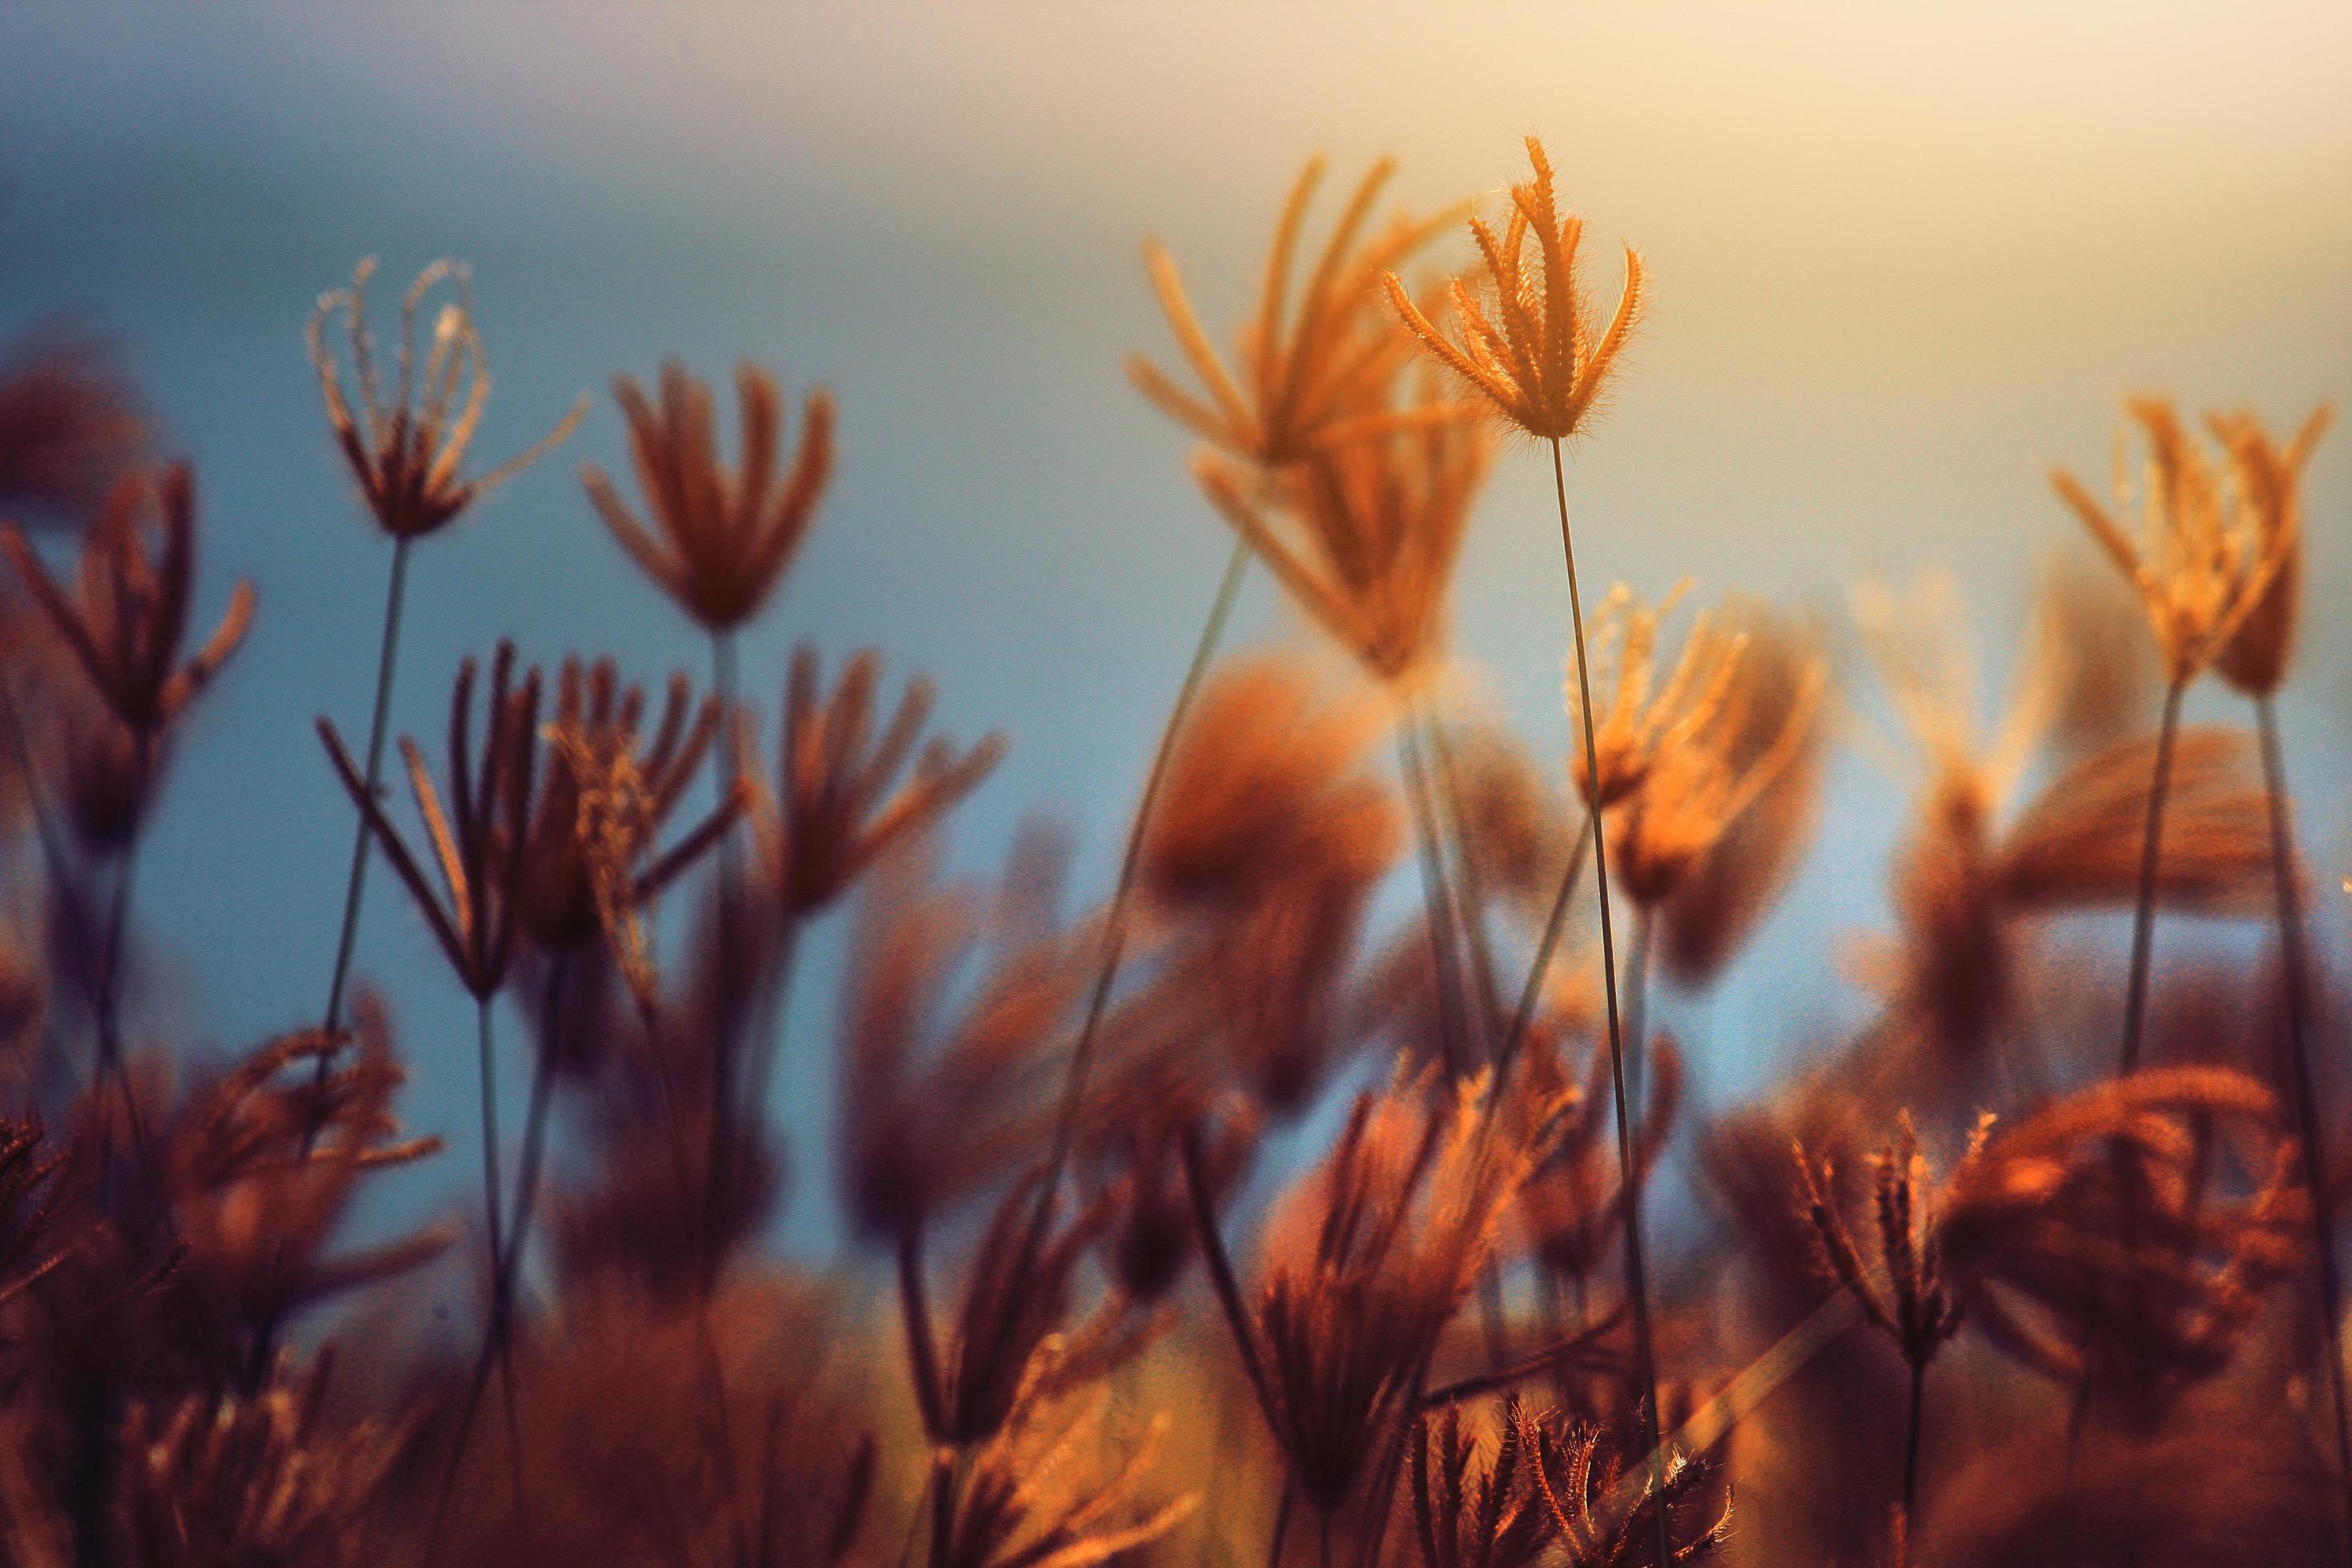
(718, 1177)
(2294, 972)
(1637, 1290)
(1074, 1088)
(1437, 900)
(2151, 863)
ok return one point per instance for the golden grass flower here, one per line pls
(840, 802)
(1637, 719)
(2199, 570)
(726, 537)
(1527, 341)
(1313, 375)
(408, 452)
(125, 624)
(2267, 490)
(1471, 1509)
(1604, 1506)
(1365, 536)
(1036, 1499)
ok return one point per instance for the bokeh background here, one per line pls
(1905, 257)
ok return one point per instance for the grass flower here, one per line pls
(128, 614)
(408, 452)
(1362, 1268)
(1367, 535)
(1314, 372)
(72, 421)
(1903, 1293)
(725, 537)
(1526, 341)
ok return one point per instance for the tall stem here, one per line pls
(494, 1352)
(2308, 1122)
(1074, 1087)
(110, 976)
(2151, 863)
(774, 1024)
(1637, 1009)
(1914, 1422)
(1469, 883)
(493, 1213)
(718, 1179)
(1636, 1286)
(387, 660)
(1281, 1522)
(1444, 959)
(1531, 994)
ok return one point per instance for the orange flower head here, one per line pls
(1528, 346)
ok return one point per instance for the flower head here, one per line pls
(408, 456)
(71, 421)
(1310, 380)
(2200, 572)
(1637, 725)
(2267, 483)
(840, 802)
(1534, 357)
(1909, 1301)
(132, 607)
(478, 842)
(726, 537)
(620, 785)
(1366, 536)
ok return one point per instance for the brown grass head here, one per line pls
(1596, 1486)
(1640, 718)
(1472, 1509)
(1901, 1291)
(726, 537)
(1527, 337)
(1266, 778)
(71, 421)
(1573, 1206)
(478, 841)
(914, 1039)
(840, 800)
(2096, 1236)
(1366, 1261)
(583, 830)
(408, 451)
(126, 620)
(1774, 756)
(1314, 374)
(214, 1480)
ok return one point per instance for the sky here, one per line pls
(1904, 258)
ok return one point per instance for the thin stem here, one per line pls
(2151, 863)
(775, 1027)
(2307, 1099)
(493, 1213)
(1281, 1522)
(1913, 1425)
(1636, 1286)
(494, 1353)
(387, 659)
(718, 1179)
(1637, 1008)
(1444, 959)
(1471, 884)
(109, 978)
(53, 849)
(1212, 631)
(1524, 1017)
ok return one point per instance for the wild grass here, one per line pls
(1210, 1217)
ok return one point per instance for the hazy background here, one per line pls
(1904, 258)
